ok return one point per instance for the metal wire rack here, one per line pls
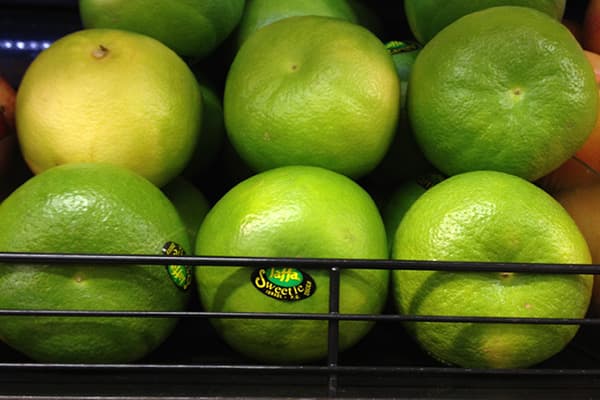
(194, 363)
(373, 370)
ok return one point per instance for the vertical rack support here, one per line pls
(333, 329)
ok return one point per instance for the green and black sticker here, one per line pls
(397, 47)
(286, 284)
(181, 275)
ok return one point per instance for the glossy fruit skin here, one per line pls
(427, 17)
(507, 89)
(312, 90)
(88, 209)
(191, 28)
(292, 211)
(490, 216)
(106, 95)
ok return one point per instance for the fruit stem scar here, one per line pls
(100, 52)
(505, 274)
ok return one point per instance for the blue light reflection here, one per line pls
(23, 45)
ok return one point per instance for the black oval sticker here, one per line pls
(285, 284)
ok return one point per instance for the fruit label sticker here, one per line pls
(286, 284)
(397, 47)
(181, 275)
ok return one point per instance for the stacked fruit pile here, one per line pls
(474, 139)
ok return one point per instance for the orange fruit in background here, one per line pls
(312, 90)
(8, 140)
(191, 28)
(103, 95)
(590, 26)
(490, 216)
(91, 209)
(506, 89)
(292, 211)
(582, 204)
(427, 17)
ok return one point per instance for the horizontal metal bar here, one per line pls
(297, 316)
(314, 263)
(339, 369)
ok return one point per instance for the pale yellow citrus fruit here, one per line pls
(191, 28)
(102, 95)
(490, 216)
(507, 89)
(292, 211)
(312, 90)
(91, 209)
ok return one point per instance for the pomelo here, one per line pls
(507, 89)
(106, 95)
(312, 90)
(292, 211)
(191, 28)
(490, 216)
(90, 208)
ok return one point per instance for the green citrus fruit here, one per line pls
(312, 90)
(490, 216)
(101, 95)
(191, 28)
(427, 17)
(404, 159)
(292, 211)
(189, 201)
(507, 89)
(258, 13)
(402, 198)
(211, 135)
(91, 209)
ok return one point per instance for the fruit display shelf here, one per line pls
(195, 363)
